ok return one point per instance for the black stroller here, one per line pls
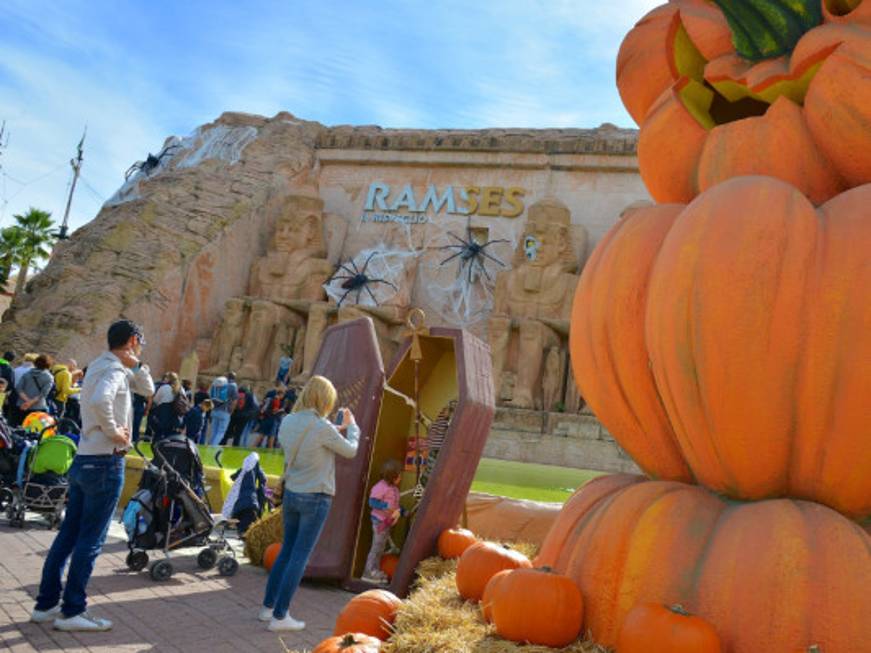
(169, 512)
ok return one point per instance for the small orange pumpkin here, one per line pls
(481, 562)
(454, 541)
(655, 628)
(270, 555)
(350, 643)
(489, 591)
(388, 564)
(371, 612)
(539, 607)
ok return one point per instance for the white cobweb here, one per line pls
(457, 291)
(222, 142)
(458, 287)
(386, 270)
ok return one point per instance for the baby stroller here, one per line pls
(167, 513)
(42, 484)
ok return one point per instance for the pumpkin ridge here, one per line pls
(686, 439)
(622, 552)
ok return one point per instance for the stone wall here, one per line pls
(556, 439)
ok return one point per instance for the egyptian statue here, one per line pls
(283, 286)
(532, 306)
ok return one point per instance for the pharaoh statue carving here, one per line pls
(283, 286)
(532, 304)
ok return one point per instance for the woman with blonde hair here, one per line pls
(310, 443)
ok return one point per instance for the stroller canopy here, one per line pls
(182, 455)
(54, 454)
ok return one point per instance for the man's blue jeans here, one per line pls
(95, 487)
(220, 422)
(304, 516)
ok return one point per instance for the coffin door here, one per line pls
(350, 358)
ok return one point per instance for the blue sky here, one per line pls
(137, 72)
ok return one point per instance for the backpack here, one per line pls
(219, 394)
(180, 404)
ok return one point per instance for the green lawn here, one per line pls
(529, 480)
(500, 477)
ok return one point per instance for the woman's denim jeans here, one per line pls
(95, 487)
(304, 515)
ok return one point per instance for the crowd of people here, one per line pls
(220, 413)
(309, 440)
(37, 383)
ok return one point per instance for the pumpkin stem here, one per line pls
(765, 29)
(677, 608)
(814, 648)
(348, 641)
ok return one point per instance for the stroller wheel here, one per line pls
(137, 560)
(228, 566)
(17, 522)
(161, 570)
(207, 558)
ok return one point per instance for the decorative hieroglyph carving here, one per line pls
(532, 302)
(284, 286)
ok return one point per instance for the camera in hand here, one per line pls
(340, 417)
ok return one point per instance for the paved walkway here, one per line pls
(193, 611)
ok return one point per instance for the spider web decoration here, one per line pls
(219, 142)
(457, 276)
(372, 277)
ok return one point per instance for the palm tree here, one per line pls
(37, 236)
(11, 239)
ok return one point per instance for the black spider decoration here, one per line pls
(472, 253)
(151, 162)
(356, 279)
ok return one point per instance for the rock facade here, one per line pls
(179, 240)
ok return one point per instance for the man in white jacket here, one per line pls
(96, 478)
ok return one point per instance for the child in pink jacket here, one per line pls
(384, 504)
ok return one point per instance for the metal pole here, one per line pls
(76, 166)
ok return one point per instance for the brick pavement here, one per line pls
(193, 611)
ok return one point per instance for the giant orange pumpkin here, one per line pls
(768, 575)
(771, 87)
(727, 342)
(371, 613)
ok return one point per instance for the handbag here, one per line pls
(288, 463)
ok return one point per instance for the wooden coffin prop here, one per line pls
(455, 369)
(350, 358)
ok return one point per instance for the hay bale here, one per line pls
(261, 534)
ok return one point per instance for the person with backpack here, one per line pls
(223, 394)
(35, 386)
